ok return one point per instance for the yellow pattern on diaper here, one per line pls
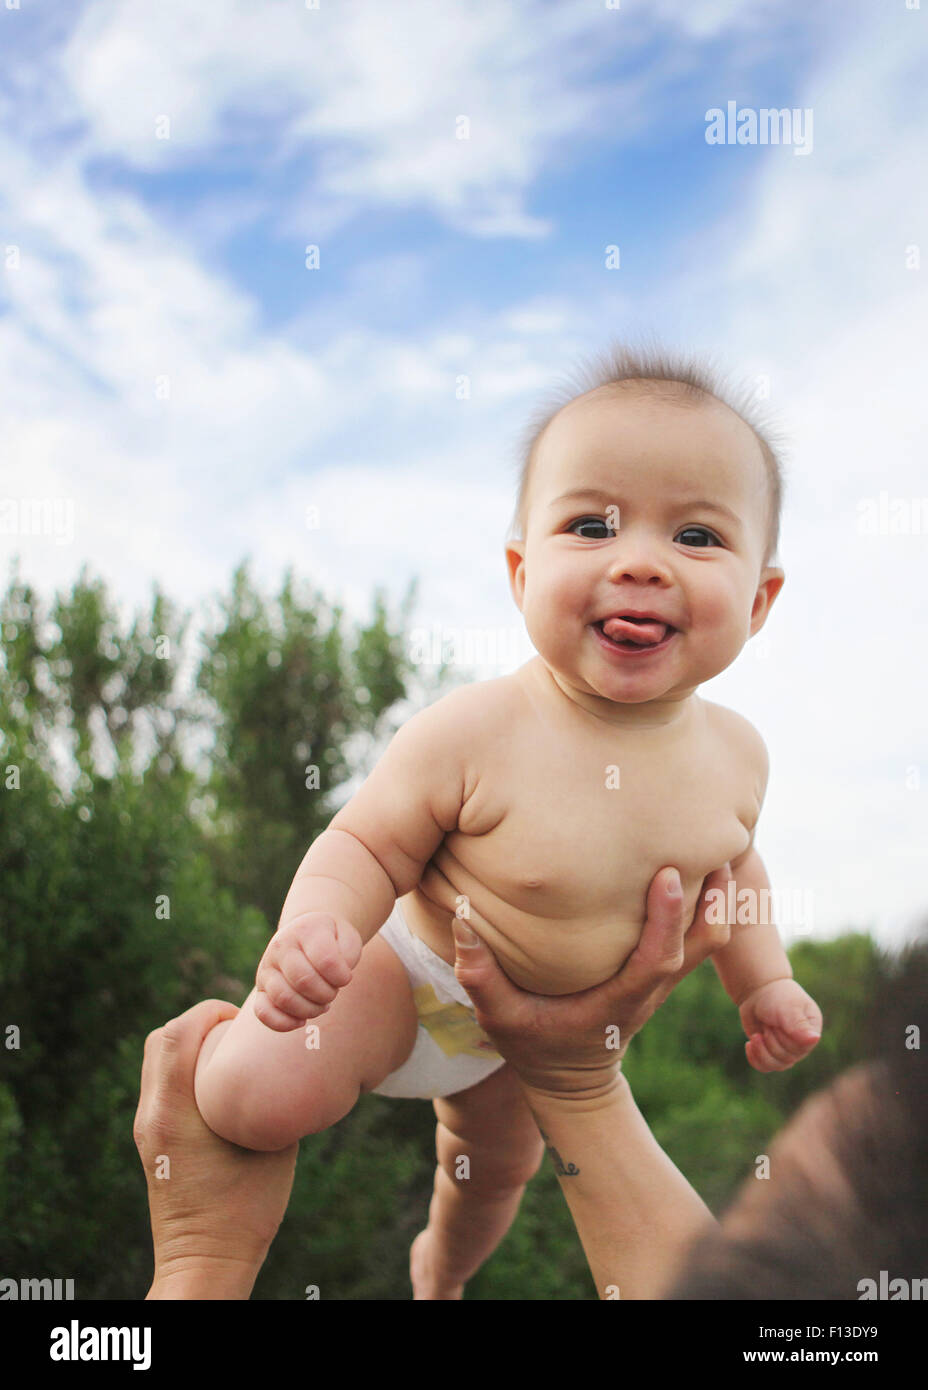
(452, 1026)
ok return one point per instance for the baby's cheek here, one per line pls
(724, 621)
(547, 616)
(719, 601)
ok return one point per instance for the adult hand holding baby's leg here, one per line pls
(213, 1221)
(305, 965)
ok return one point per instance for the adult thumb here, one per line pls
(473, 963)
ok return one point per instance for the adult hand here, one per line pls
(573, 1044)
(215, 1208)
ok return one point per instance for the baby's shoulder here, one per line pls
(473, 713)
(739, 736)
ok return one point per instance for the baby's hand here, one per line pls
(305, 965)
(782, 1023)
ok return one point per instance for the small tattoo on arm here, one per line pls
(569, 1170)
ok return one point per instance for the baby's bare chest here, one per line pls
(564, 828)
(578, 833)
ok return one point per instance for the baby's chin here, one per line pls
(639, 693)
(660, 696)
(636, 685)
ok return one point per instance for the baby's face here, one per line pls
(683, 543)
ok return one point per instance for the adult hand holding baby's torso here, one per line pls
(569, 821)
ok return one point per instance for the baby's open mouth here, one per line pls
(631, 632)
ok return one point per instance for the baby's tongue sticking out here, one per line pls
(644, 631)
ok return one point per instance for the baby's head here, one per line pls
(649, 499)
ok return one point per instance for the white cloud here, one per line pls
(147, 395)
(367, 97)
(364, 101)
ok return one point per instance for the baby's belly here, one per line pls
(558, 927)
(544, 954)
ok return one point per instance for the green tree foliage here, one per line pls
(288, 689)
(124, 901)
(154, 806)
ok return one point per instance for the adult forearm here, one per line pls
(635, 1213)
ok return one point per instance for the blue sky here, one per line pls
(128, 261)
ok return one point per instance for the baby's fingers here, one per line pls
(778, 1050)
(304, 980)
(799, 1020)
(333, 951)
(793, 1045)
(283, 1020)
(760, 1056)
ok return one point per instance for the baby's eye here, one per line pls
(697, 536)
(593, 521)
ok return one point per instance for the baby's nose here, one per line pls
(639, 561)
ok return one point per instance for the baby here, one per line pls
(539, 807)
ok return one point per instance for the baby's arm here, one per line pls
(374, 850)
(781, 1021)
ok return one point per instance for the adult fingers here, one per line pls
(659, 955)
(180, 1042)
(478, 970)
(168, 1062)
(148, 1085)
(710, 929)
(669, 947)
(150, 1061)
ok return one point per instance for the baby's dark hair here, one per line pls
(834, 1241)
(685, 378)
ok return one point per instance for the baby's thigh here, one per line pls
(493, 1126)
(265, 1089)
(371, 1025)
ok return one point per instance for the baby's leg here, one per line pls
(264, 1090)
(474, 1202)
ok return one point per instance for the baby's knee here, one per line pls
(247, 1107)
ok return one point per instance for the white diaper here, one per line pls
(451, 1051)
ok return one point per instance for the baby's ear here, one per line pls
(515, 557)
(771, 582)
